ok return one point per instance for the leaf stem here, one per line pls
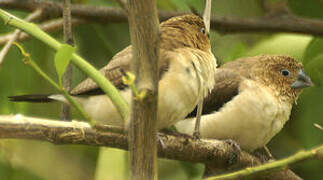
(28, 60)
(105, 84)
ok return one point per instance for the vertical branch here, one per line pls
(124, 5)
(206, 19)
(207, 14)
(35, 15)
(68, 37)
(144, 33)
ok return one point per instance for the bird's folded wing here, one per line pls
(226, 87)
(113, 72)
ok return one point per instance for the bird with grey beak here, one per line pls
(251, 100)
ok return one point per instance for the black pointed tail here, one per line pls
(36, 98)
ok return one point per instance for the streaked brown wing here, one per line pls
(227, 82)
(112, 71)
(226, 87)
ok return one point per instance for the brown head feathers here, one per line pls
(185, 31)
(274, 71)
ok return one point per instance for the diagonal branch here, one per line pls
(105, 84)
(48, 26)
(35, 15)
(318, 126)
(123, 4)
(315, 153)
(279, 23)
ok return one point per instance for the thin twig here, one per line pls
(270, 156)
(196, 133)
(315, 153)
(124, 5)
(318, 126)
(31, 17)
(105, 84)
(28, 60)
(223, 24)
(48, 26)
(68, 36)
(206, 19)
(207, 14)
(67, 17)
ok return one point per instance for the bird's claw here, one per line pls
(237, 151)
(160, 140)
(196, 135)
(234, 144)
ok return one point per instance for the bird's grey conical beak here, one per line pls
(302, 81)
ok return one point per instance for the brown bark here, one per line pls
(218, 153)
(68, 36)
(144, 33)
(278, 23)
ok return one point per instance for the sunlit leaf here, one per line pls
(315, 69)
(313, 49)
(62, 59)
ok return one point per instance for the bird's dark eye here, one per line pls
(203, 30)
(285, 72)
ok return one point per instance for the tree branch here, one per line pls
(68, 37)
(219, 153)
(316, 153)
(35, 15)
(280, 23)
(104, 83)
(318, 126)
(123, 4)
(144, 34)
(48, 26)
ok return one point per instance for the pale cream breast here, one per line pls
(187, 81)
(101, 108)
(251, 118)
(180, 89)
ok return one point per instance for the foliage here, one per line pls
(99, 42)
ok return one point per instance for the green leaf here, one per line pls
(313, 60)
(313, 49)
(315, 69)
(62, 59)
(306, 8)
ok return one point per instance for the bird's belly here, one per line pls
(102, 109)
(257, 116)
(176, 100)
(248, 119)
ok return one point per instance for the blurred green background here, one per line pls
(33, 160)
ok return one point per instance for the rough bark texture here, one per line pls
(279, 23)
(144, 33)
(215, 153)
(68, 37)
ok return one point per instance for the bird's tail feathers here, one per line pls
(37, 98)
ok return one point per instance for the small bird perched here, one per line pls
(187, 67)
(251, 101)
